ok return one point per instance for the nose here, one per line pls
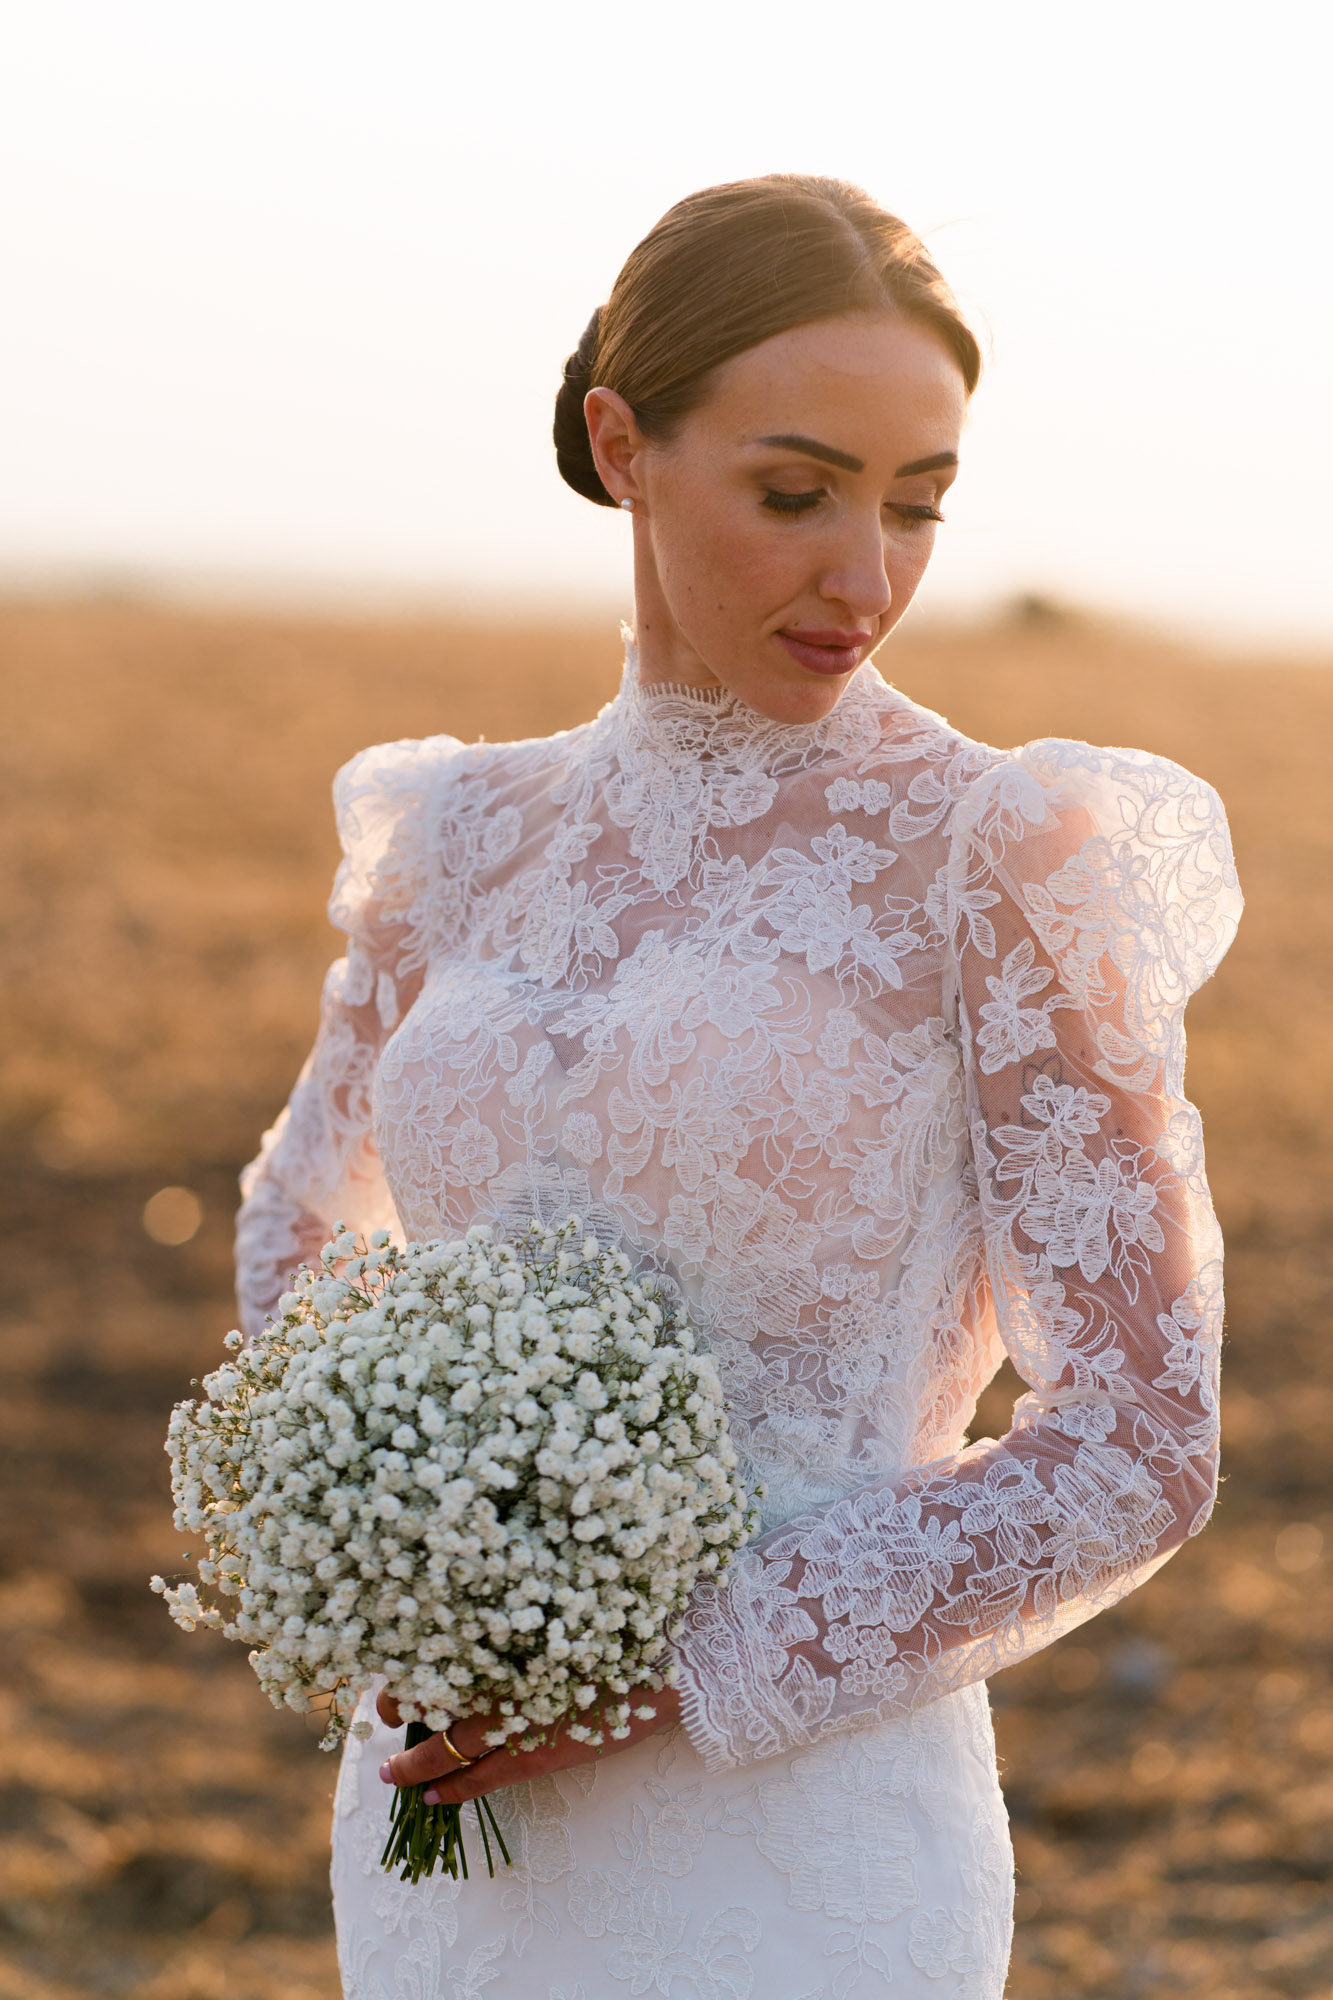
(856, 575)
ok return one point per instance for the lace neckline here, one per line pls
(682, 724)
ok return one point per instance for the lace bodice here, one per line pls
(869, 1037)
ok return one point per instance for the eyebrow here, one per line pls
(830, 455)
(936, 463)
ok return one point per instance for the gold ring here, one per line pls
(453, 1748)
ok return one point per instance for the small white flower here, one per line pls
(461, 1476)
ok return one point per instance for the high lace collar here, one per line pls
(681, 724)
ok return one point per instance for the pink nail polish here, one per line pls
(432, 1798)
(386, 1773)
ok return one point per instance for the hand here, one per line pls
(495, 1768)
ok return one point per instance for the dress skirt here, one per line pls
(875, 1859)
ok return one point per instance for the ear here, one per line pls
(616, 439)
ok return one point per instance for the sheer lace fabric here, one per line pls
(869, 1038)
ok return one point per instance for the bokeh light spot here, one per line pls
(1152, 1763)
(1247, 1591)
(172, 1216)
(1298, 1547)
(1314, 1731)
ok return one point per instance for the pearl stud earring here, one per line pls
(628, 505)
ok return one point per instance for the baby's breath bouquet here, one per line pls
(489, 1472)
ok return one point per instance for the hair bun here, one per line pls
(573, 446)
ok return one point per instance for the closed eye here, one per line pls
(792, 504)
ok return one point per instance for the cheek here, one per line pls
(722, 558)
(905, 561)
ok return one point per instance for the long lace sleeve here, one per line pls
(319, 1163)
(1089, 892)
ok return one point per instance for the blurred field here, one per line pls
(168, 847)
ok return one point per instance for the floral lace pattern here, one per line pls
(869, 1038)
(879, 1856)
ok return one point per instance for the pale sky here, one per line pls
(288, 283)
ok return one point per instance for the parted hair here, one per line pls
(727, 268)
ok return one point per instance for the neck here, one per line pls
(665, 656)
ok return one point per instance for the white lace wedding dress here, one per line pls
(869, 1037)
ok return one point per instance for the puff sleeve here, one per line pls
(1089, 893)
(319, 1163)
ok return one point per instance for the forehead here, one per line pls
(874, 385)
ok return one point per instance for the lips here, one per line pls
(826, 652)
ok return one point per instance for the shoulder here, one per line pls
(386, 780)
(420, 821)
(397, 796)
(385, 800)
(931, 778)
(1109, 849)
(1126, 796)
(897, 759)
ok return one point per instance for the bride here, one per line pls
(869, 1038)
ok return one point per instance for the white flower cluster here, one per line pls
(490, 1472)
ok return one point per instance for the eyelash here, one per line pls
(795, 504)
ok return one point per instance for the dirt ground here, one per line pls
(167, 839)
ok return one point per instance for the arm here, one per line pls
(1091, 891)
(319, 1164)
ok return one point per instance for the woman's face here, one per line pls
(781, 534)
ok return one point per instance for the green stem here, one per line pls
(422, 1837)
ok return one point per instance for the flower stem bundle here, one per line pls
(423, 1838)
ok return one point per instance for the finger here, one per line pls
(424, 1761)
(387, 1709)
(433, 1758)
(503, 1766)
(468, 1735)
(490, 1773)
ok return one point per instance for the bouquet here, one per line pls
(489, 1472)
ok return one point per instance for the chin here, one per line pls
(803, 701)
